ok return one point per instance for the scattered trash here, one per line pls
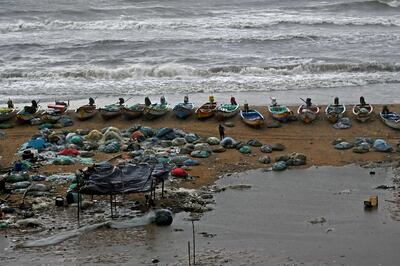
(318, 220)
(385, 187)
(371, 202)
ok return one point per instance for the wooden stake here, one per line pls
(162, 189)
(111, 205)
(189, 252)
(194, 244)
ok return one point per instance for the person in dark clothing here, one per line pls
(336, 101)
(385, 110)
(147, 101)
(31, 109)
(233, 101)
(121, 101)
(91, 101)
(362, 101)
(186, 99)
(162, 100)
(10, 104)
(308, 102)
(221, 130)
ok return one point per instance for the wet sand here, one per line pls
(267, 224)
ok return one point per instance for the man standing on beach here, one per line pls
(221, 131)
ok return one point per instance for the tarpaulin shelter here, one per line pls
(106, 179)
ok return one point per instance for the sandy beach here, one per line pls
(314, 140)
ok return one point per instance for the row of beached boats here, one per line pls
(307, 112)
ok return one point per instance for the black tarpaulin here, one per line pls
(106, 179)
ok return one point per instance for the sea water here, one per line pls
(68, 50)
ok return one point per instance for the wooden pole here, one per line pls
(79, 202)
(111, 205)
(194, 244)
(115, 204)
(189, 252)
(162, 189)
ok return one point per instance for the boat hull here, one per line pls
(392, 123)
(205, 111)
(222, 114)
(130, 114)
(107, 115)
(308, 114)
(150, 112)
(255, 120)
(50, 118)
(334, 113)
(281, 116)
(86, 112)
(183, 111)
(362, 116)
(25, 117)
(7, 115)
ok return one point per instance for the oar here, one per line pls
(303, 100)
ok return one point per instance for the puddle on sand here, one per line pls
(266, 224)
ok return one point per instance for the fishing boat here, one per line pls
(279, 112)
(133, 111)
(86, 112)
(28, 113)
(252, 117)
(155, 110)
(391, 119)
(183, 110)
(54, 112)
(227, 110)
(206, 110)
(362, 111)
(7, 113)
(110, 111)
(308, 112)
(335, 111)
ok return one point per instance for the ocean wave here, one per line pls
(66, 88)
(357, 5)
(238, 21)
(178, 71)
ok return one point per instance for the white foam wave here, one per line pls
(181, 71)
(391, 3)
(253, 79)
(234, 20)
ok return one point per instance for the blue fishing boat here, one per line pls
(185, 109)
(252, 118)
